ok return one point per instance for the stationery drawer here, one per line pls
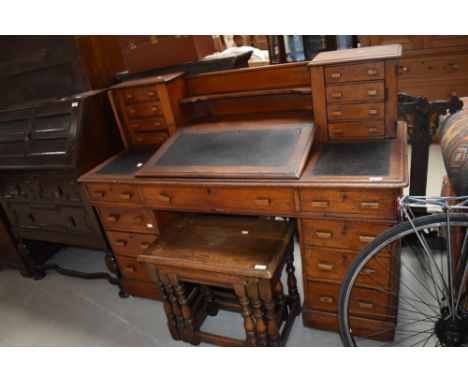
(357, 130)
(149, 138)
(362, 92)
(101, 192)
(147, 124)
(327, 264)
(271, 201)
(340, 234)
(128, 219)
(139, 94)
(142, 110)
(129, 244)
(341, 112)
(131, 269)
(362, 202)
(357, 72)
(367, 302)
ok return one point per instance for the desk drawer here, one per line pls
(365, 302)
(131, 269)
(327, 264)
(147, 124)
(341, 112)
(356, 72)
(149, 138)
(142, 110)
(340, 234)
(128, 219)
(139, 94)
(102, 192)
(212, 199)
(129, 244)
(362, 202)
(362, 92)
(356, 130)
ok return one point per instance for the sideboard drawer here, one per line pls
(128, 219)
(364, 203)
(356, 72)
(129, 244)
(362, 92)
(103, 192)
(341, 112)
(340, 234)
(356, 130)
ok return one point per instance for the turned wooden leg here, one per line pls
(176, 309)
(185, 309)
(280, 300)
(257, 305)
(208, 298)
(292, 282)
(249, 325)
(266, 295)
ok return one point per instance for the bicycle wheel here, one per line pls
(404, 289)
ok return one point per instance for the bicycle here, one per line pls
(408, 287)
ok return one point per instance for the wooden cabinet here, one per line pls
(435, 67)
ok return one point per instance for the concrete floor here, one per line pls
(64, 311)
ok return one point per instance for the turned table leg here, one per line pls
(258, 312)
(176, 309)
(266, 295)
(292, 282)
(280, 300)
(249, 324)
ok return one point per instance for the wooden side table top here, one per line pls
(243, 246)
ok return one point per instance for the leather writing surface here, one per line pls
(354, 159)
(126, 162)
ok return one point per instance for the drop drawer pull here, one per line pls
(371, 72)
(99, 194)
(125, 195)
(366, 239)
(372, 112)
(326, 299)
(373, 130)
(320, 203)
(337, 112)
(164, 198)
(336, 75)
(262, 201)
(370, 205)
(372, 92)
(130, 268)
(336, 95)
(144, 245)
(325, 266)
(323, 235)
(112, 218)
(365, 305)
(121, 243)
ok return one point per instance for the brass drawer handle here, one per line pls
(129, 96)
(121, 242)
(262, 201)
(337, 112)
(144, 245)
(373, 130)
(130, 268)
(137, 219)
(336, 95)
(325, 266)
(366, 305)
(125, 195)
(99, 194)
(366, 239)
(320, 203)
(372, 112)
(370, 205)
(371, 72)
(112, 218)
(326, 299)
(372, 92)
(323, 235)
(164, 198)
(154, 108)
(151, 94)
(336, 75)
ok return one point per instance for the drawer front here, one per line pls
(361, 202)
(129, 244)
(362, 92)
(131, 269)
(365, 302)
(153, 138)
(327, 264)
(358, 72)
(356, 130)
(341, 112)
(266, 200)
(128, 219)
(340, 234)
(101, 192)
(48, 189)
(139, 94)
(148, 124)
(143, 110)
(139, 288)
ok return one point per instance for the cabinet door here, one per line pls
(407, 42)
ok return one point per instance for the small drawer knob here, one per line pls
(366, 305)
(323, 235)
(262, 201)
(135, 125)
(125, 195)
(372, 92)
(366, 239)
(112, 218)
(326, 299)
(338, 131)
(132, 110)
(370, 205)
(336, 75)
(336, 95)
(121, 243)
(151, 94)
(129, 96)
(156, 124)
(130, 268)
(371, 72)
(140, 140)
(137, 219)
(99, 194)
(372, 112)
(164, 198)
(337, 112)
(320, 203)
(325, 267)
(154, 108)
(373, 130)
(144, 245)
